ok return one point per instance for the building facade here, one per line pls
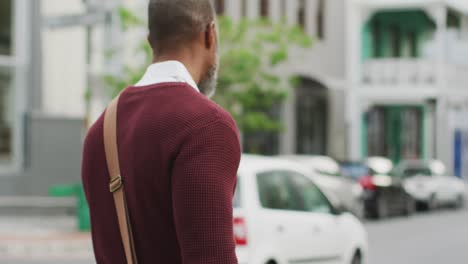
(382, 78)
(44, 75)
(313, 114)
(58, 55)
(407, 73)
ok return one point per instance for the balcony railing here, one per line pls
(399, 71)
(457, 75)
(415, 72)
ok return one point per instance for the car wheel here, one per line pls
(410, 207)
(421, 206)
(460, 202)
(432, 203)
(357, 259)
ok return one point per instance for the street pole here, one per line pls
(88, 92)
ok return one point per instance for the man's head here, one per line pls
(185, 29)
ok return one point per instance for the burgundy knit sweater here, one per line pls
(179, 154)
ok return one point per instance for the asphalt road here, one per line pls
(439, 237)
(45, 262)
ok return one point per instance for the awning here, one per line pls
(458, 5)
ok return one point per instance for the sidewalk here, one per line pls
(43, 238)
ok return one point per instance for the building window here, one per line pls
(454, 20)
(376, 136)
(13, 80)
(7, 100)
(395, 132)
(6, 116)
(219, 6)
(321, 19)
(395, 41)
(413, 44)
(264, 8)
(6, 11)
(311, 118)
(301, 14)
(244, 8)
(377, 43)
(376, 39)
(411, 119)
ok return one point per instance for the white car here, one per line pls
(281, 216)
(429, 185)
(326, 173)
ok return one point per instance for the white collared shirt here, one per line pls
(167, 71)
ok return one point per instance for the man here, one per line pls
(179, 152)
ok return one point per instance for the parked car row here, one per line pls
(382, 196)
(281, 215)
(400, 190)
(307, 209)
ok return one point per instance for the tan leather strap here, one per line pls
(116, 184)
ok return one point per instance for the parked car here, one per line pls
(383, 195)
(327, 174)
(429, 185)
(281, 216)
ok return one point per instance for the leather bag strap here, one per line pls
(116, 185)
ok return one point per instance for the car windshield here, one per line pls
(354, 171)
(411, 172)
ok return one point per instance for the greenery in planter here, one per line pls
(249, 86)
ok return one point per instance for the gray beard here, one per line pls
(208, 84)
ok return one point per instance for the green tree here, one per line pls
(249, 86)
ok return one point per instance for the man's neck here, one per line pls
(188, 63)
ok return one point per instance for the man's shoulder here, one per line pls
(178, 106)
(94, 134)
(197, 110)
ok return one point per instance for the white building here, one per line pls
(356, 80)
(314, 114)
(408, 78)
(43, 79)
(394, 89)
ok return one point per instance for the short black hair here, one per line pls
(173, 22)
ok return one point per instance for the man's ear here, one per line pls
(210, 35)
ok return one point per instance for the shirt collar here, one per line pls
(167, 71)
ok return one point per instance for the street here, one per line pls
(440, 237)
(45, 262)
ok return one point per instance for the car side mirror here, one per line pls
(338, 209)
(336, 205)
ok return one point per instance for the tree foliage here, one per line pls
(249, 86)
